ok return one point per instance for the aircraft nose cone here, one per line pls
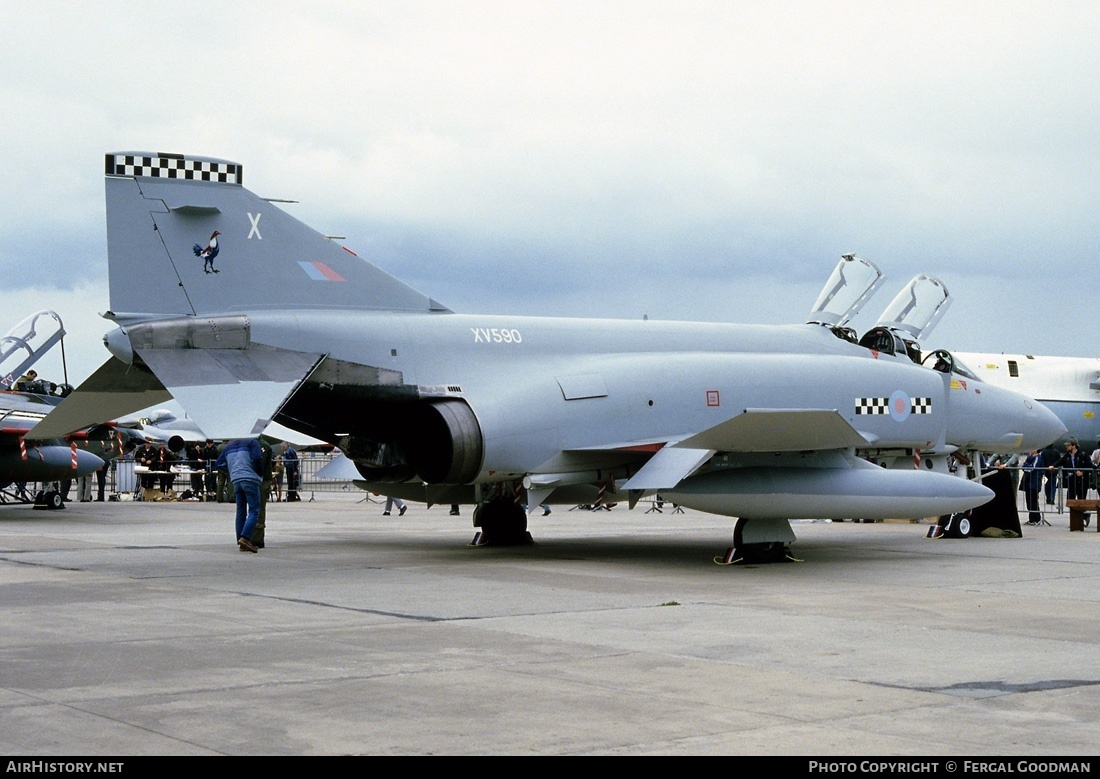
(992, 419)
(1044, 426)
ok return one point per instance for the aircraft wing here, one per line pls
(778, 430)
(752, 431)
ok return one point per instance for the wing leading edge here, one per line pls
(751, 431)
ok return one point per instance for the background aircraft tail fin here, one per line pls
(185, 237)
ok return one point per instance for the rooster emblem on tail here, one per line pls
(208, 253)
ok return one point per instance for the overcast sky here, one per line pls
(681, 160)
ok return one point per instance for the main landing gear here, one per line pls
(503, 522)
(757, 541)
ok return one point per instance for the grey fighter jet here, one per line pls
(763, 423)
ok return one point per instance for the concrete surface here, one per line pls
(137, 629)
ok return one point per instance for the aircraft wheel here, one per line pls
(958, 526)
(49, 499)
(502, 523)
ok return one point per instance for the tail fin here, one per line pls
(165, 210)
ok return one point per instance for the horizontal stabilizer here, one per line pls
(231, 393)
(340, 467)
(779, 430)
(114, 390)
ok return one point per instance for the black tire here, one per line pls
(502, 522)
(958, 526)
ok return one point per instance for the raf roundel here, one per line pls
(900, 406)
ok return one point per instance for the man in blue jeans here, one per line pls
(243, 458)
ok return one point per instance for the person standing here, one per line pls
(84, 488)
(1075, 466)
(209, 453)
(224, 485)
(260, 531)
(391, 502)
(1031, 484)
(147, 457)
(1049, 457)
(198, 471)
(1095, 457)
(165, 459)
(243, 460)
(290, 465)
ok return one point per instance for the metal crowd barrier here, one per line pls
(121, 479)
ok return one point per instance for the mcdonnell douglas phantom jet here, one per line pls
(762, 423)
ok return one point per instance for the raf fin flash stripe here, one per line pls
(318, 271)
(173, 166)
